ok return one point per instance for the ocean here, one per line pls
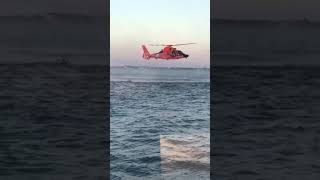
(53, 121)
(160, 123)
(266, 122)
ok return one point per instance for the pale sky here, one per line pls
(133, 23)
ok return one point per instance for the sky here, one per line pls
(133, 23)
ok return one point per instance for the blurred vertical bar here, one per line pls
(54, 98)
(265, 89)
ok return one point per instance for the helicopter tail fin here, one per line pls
(146, 54)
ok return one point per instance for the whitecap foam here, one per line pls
(185, 154)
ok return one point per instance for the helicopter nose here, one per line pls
(186, 55)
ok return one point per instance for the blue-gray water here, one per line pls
(159, 123)
(266, 122)
(52, 122)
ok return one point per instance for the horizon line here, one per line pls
(117, 66)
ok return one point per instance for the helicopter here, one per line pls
(167, 53)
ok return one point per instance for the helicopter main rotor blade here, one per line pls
(170, 44)
(182, 44)
(158, 45)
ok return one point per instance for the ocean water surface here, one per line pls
(266, 122)
(53, 121)
(160, 123)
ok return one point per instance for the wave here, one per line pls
(191, 152)
(145, 80)
(159, 74)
